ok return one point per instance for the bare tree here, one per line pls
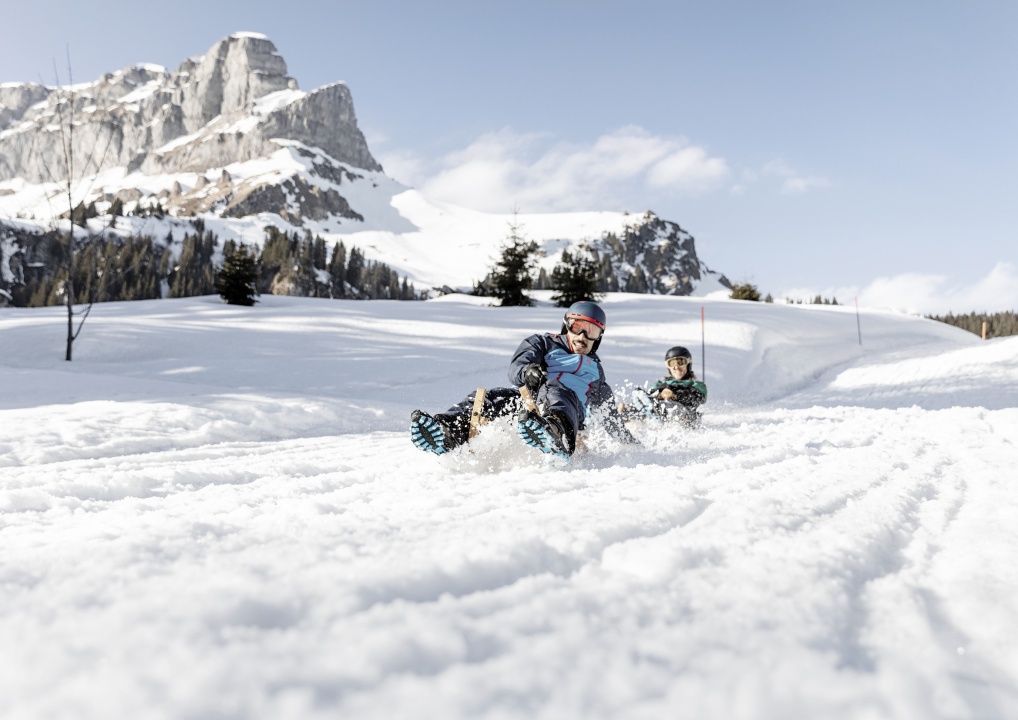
(66, 105)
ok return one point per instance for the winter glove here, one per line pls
(643, 401)
(533, 376)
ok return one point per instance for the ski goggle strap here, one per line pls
(582, 325)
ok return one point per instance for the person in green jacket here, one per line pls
(677, 396)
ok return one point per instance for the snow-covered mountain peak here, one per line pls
(229, 138)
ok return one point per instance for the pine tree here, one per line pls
(318, 253)
(575, 279)
(337, 270)
(745, 291)
(1001, 324)
(355, 268)
(194, 274)
(236, 282)
(512, 275)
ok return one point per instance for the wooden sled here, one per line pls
(476, 419)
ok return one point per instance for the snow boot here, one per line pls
(547, 433)
(431, 434)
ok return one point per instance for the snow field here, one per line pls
(218, 512)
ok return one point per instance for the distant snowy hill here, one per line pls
(228, 137)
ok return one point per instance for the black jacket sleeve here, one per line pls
(531, 350)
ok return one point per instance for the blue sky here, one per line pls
(849, 148)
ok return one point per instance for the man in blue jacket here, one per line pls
(562, 373)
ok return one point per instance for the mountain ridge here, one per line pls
(230, 139)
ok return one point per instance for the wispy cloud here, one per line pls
(628, 168)
(927, 294)
(794, 182)
(538, 174)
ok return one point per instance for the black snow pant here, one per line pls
(498, 402)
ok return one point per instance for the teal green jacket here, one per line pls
(691, 393)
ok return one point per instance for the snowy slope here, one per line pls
(433, 244)
(217, 512)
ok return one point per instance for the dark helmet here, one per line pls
(586, 310)
(680, 352)
(677, 351)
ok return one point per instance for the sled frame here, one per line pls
(476, 419)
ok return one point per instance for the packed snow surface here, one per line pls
(216, 512)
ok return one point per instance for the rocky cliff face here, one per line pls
(228, 141)
(653, 256)
(227, 106)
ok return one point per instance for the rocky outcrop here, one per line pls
(224, 107)
(294, 200)
(653, 256)
(26, 258)
(16, 98)
(234, 73)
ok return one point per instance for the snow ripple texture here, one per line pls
(218, 512)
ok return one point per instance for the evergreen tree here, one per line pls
(318, 253)
(337, 270)
(1001, 324)
(575, 279)
(393, 285)
(194, 274)
(511, 277)
(608, 281)
(355, 268)
(236, 282)
(637, 282)
(745, 291)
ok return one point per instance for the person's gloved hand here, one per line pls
(533, 376)
(643, 401)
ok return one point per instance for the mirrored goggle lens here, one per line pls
(678, 362)
(583, 327)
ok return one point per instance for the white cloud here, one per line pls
(927, 294)
(931, 294)
(800, 185)
(793, 182)
(689, 168)
(504, 169)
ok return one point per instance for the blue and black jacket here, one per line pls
(575, 383)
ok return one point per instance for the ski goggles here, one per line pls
(677, 362)
(590, 330)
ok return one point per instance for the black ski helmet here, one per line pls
(586, 310)
(678, 351)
